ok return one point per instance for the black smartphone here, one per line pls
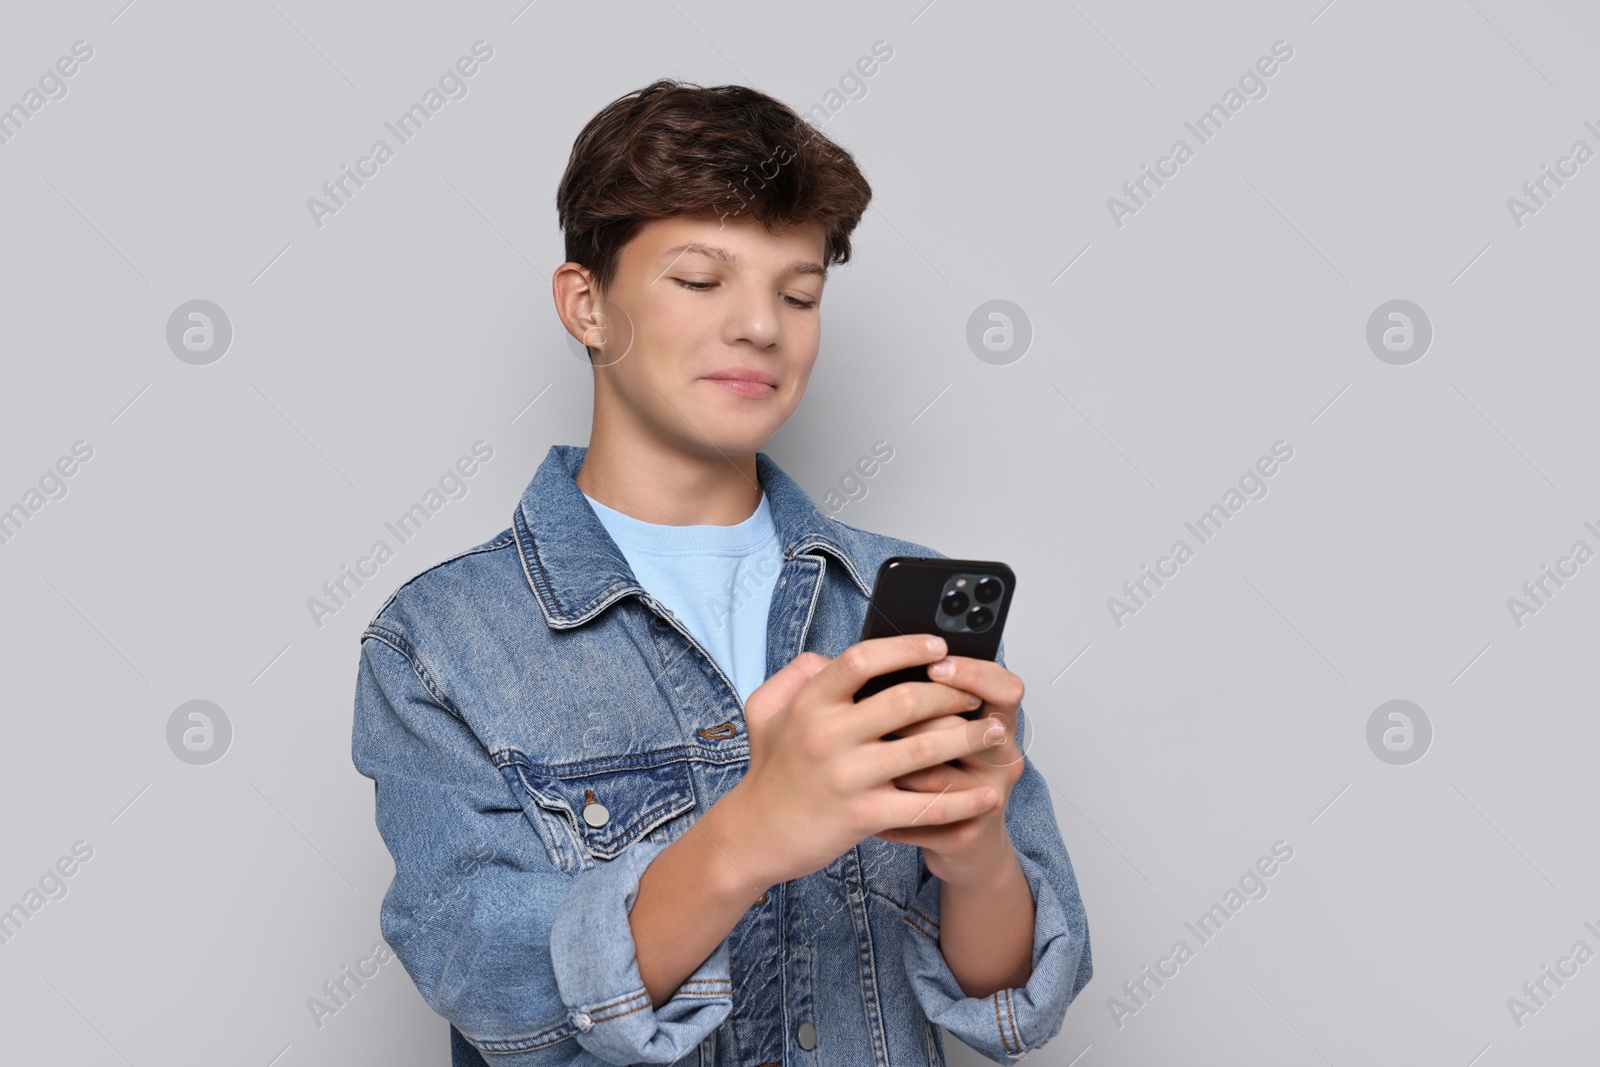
(964, 601)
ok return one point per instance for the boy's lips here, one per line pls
(744, 381)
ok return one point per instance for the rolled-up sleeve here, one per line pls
(1010, 1023)
(531, 964)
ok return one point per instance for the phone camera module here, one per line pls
(967, 603)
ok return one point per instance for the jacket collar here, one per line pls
(576, 570)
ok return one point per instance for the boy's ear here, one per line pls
(597, 323)
(575, 296)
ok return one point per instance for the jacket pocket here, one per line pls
(892, 871)
(592, 810)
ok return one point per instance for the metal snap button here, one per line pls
(596, 814)
(806, 1036)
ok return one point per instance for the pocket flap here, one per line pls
(610, 807)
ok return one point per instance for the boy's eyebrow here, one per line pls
(799, 266)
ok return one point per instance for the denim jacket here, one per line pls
(538, 728)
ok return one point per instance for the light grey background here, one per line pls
(1229, 313)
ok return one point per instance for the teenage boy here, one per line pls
(635, 814)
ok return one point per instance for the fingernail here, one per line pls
(994, 735)
(942, 669)
(974, 701)
(934, 644)
(989, 798)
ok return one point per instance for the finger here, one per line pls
(1006, 716)
(851, 669)
(1002, 752)
(998, 751)
(937, 722)
(778, 690)
(901, 809)
(934, 779)
(905, 703)
(893, 759)
(994, 683)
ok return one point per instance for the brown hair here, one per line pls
(675, 148)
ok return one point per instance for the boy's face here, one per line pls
(676, 317)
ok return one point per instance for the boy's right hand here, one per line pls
(821, 773)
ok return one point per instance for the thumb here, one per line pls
(776, 692)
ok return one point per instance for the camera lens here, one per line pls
(979, 618)
(988, 591)
(955, 602)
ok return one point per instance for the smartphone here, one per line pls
(964, 601)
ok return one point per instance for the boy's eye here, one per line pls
(700, 287)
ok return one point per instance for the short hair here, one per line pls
(676, 148)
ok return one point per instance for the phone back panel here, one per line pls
(905, 600)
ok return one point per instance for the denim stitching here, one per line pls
(861, 923)
(414, 659)
(618, 1002)
(912, 923)
(563, 616)
(999, 1025)
(552, 822)
(861, 885)
(633, 761)
(816, 592)
(1013, 1019)
(723, 755)
(626, 835)
(838, 552)
(501, 540)
(681, 993)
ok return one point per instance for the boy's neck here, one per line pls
(656, 484)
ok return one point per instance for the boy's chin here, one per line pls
(739, 446)
(731, 436)
(732, 443)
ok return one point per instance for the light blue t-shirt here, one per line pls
(717, 581)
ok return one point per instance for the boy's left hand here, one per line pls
(971, 850)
